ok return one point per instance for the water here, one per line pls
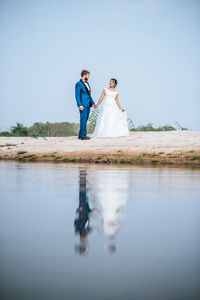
(71, 231)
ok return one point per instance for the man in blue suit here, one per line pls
(84, 102)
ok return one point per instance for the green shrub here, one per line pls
(21, 152)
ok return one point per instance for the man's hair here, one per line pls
(84, 72)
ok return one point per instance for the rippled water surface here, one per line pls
(79, 231)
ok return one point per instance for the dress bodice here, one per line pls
(110, 94)
(110, 98)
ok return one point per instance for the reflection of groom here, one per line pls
(84, 102)
(82, 220)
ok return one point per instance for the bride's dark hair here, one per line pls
(115, 81)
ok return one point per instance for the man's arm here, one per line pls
(78, 94)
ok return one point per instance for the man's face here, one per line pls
(86, 77)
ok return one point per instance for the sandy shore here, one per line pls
(170, 147)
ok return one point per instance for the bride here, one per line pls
(112, 119)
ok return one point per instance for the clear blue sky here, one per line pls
(151, 46)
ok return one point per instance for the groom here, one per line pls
(84, 102)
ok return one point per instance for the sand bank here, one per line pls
(169, 147)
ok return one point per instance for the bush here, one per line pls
(19, 130)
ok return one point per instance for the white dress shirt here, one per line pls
(87, 85)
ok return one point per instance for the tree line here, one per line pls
(39, 129)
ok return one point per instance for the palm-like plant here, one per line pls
(93, 119)
(19, 130)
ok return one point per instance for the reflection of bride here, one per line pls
(111, 192)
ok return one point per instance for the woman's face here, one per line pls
(112, 83)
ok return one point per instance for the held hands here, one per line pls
(82, 108)
(96, 106)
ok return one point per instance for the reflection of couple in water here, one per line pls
(110, 195)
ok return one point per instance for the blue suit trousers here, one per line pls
(83, 121)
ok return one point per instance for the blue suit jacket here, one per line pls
(82, 95)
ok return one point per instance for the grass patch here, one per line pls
(139, 159)
(21, 152)
(123, 160)
(155, 154)
(19, 157)
(30, 156)
(45, 155)
(154, 161)
(34, 157)
(132, 159)
(57, 157)
(194, 157)
(69, 159)
(99, 157)
(6, 145)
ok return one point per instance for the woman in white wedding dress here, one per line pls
(112, 119)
